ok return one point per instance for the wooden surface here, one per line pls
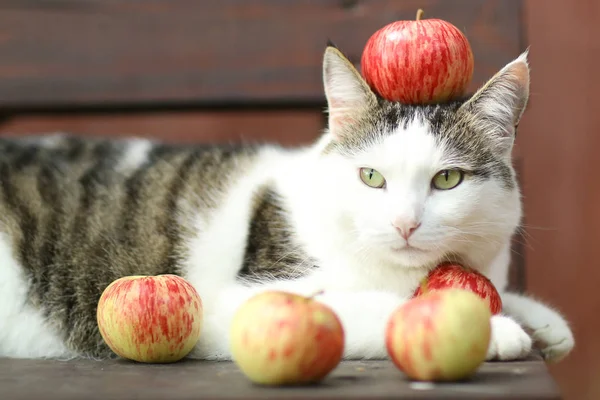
(285, 127)
(560, 138)
(122, 380)
(109, 52)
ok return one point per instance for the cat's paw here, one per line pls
(202, 351)
(509, 341)
(555, 339)
(550, 331)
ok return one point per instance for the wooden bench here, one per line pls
(123, 380)
(186, 71)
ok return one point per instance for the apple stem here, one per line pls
(420, 13)
(424, 288)
(315, 294)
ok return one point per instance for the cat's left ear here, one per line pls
(348, 95)
(497, 107)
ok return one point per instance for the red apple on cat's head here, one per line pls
(418, 62)
(453, 275)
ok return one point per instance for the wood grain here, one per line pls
(122, 380)
(106, 52)
(288, 128)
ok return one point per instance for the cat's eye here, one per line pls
(372, 178)
(447, 179)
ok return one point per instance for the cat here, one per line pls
(386, 193)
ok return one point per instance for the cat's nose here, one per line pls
(406, 227)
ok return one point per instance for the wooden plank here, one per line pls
(282, 127)
(517, 272)
(106, 52)
(120, 380)
(560, 138)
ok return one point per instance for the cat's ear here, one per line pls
(497, 107)
(348, 96)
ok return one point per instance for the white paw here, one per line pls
(550, 331)
(201, 354)
(509, 341)
(555, 339)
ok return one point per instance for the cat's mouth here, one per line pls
(410, 256)
(408, 248)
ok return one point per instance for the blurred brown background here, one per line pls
(183, 70)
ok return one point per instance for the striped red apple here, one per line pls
(281, 338)
(453, 275)
(418, 61)
(440, 336)
(151, 319)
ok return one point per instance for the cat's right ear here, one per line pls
(348, 95)
(496, 109)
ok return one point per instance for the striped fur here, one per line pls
(79, 216)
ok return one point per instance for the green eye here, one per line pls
(372, 178)
(447, 179)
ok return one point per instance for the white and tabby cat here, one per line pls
(388, 192)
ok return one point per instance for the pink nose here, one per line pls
(406, 227)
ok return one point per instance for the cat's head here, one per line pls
(410, 185)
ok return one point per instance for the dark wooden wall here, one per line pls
(211, 71)
(560, 142)
(203, 70)
(159, 52)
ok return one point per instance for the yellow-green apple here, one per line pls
(281, 338)
(153, 319)
(418, 61)
(440, 336)
(453, 275)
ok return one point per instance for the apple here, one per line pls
(440, 336)
(420, 61)
(152, 319)
(281, 338)
(452, 275)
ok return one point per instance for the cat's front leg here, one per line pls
(510, 341)
(550, 331)
(364, 316)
